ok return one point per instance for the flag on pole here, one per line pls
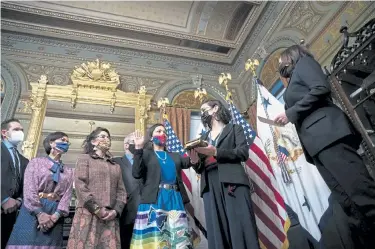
(271, 217)
(307, 193)
(188, 176)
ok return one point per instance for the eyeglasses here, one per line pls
(103, 136)
(205, 110)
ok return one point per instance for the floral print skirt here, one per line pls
(88, 231)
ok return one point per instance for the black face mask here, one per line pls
(286, 70)
(207, 120)
(132, 148)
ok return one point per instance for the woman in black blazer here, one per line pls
(328, 138)
(225, 187)
(161, 218)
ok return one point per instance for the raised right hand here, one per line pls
(138, 139)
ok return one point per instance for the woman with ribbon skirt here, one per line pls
(225, 186)
(47, 192)
(101, 196)
(161, 220)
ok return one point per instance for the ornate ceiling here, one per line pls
(213, 30)
(163, 44)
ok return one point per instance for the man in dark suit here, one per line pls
(13, 166)
(132, 187)
(330, 141)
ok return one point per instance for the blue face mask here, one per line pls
(64, 147)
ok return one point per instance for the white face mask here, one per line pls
(16, 137)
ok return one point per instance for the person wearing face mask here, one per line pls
(101, 195)
(161, 218)
(329, 140)
(47, 192)
(13, 166)
(132, 186)
(225, 187)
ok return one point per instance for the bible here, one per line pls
(195, 143)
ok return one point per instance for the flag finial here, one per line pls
(162, 103)
(224, 78)
(251, 65)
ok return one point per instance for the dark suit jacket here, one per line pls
(133, 187)
(308, 103)
(232, 149)
(146, 166)
(8, 174)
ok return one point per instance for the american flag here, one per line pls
(269, 208)
(174, 145)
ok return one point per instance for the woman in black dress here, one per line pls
(225, 186)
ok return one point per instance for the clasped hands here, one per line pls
(106, 214)
(46, 221)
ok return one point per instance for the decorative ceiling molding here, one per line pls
(27, 8)
(59, 31)
(48, 47)
(116, 41)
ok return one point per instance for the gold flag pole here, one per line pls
(252, 66)
(162, 104)
(224, 78)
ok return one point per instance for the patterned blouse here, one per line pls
(39, 178)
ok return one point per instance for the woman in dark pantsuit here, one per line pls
(329, 140)
(225, 186)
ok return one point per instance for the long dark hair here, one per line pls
(293, 54)
(88, 147)
(52, 137)
(148, 143)
(223, 114)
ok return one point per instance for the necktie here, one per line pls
(17, 169)
(16, 162)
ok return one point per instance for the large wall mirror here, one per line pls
(93, 100)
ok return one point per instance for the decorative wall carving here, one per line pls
(304, 18)
(321, 44)
(133, 83)
(24, 106)
(56, 75)
(13, 79)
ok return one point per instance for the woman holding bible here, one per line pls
(225, 186)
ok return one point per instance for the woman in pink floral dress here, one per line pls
(47, 192)
(101, 196)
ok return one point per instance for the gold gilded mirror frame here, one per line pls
(93, 83)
